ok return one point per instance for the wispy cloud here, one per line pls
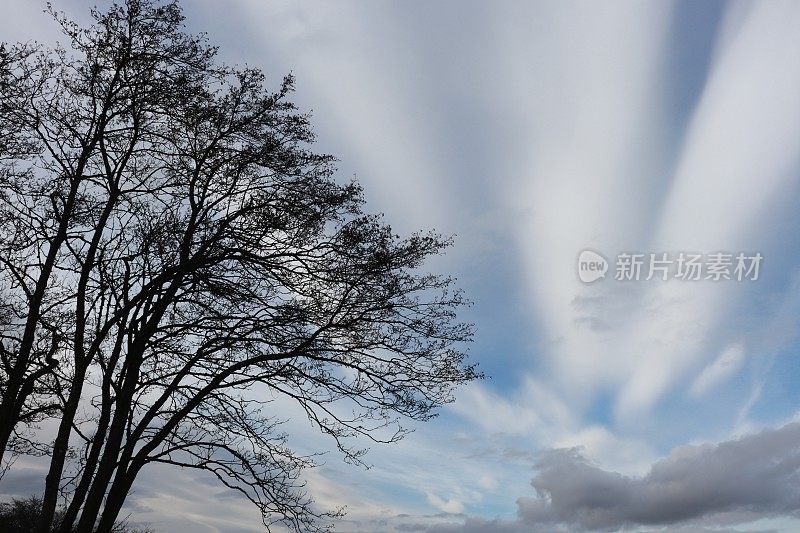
(740, 152)
(726, 365)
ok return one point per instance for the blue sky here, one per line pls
(534, 130)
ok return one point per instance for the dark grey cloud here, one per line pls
(411, 527)
(481, 525)
(694, 488)
(22, 482)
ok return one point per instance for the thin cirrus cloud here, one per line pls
(740, 152)
(588, 186)
(723, 367)
(590, 76)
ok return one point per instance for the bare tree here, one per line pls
(23, 515)
(175, 258)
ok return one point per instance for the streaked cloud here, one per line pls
(722, 368)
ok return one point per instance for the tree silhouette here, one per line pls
(23, 516)
(175, 258)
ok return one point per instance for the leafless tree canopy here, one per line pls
(175, 259)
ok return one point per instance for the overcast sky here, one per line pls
(533, 131)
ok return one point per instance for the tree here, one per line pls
(23, 515)
(175, 256)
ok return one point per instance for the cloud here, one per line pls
(480, 525)
(588, 101)
(734, 482)
(723, 367)
(22, 482)
(739, 156)
(447, 506)
(536, 414)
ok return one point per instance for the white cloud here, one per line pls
(536, 414)
(741, 150)
(723, 367)
(585, 78)
(365, 102)
(450, 505)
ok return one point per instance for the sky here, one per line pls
(533, 131)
